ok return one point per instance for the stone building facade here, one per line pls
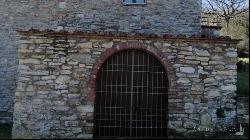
(56, 85)
(95, 16)
(59, 47)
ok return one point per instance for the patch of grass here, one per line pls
(243, 82)
(244, 60)
(5, 131)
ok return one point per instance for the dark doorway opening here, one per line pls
(131, 97)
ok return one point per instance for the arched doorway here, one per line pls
(131, 97)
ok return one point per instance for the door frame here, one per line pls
(89, 87)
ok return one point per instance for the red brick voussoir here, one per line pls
(90, 84)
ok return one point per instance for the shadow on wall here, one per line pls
(5, 131)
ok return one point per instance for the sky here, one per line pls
(204, 3)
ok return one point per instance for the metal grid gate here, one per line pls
(131, 97)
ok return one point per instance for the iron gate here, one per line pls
(131, 97)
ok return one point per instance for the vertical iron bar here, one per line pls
(157, 90)
(111, 94)
(121, 95)
(137, 86)
(127, 73)
(148, 74)
(116, 83)
(162, 85)
(143, 86)
(131, 92)
(143, 116)
(105, 102)
(151, 112)
(100, 99)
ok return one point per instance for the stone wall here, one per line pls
(97, 16)
(8, 70)
(156, 17)
(53, 96)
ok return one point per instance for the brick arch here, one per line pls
(90, 85)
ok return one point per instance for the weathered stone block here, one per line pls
(202, 58)
(71, 123)
(187, 69)
(63, 79)
(209, 80)
(185, 53)
(213, 93)
(107, 45)
(24, 49)
(61, 108)
(41, 83)
(69, 118)
(38, 56)
(66, 72)
(218, 49)
(72, 62)
(229, 88)
(183, 81)
(189, 107)
(201, 52)
(216, 62)
(189, 125)
(29, 61)
(54, 63)
(175, 124)
(74, 96)
(42, 41)
(226, 73)
(85, 47)
(231, 54)
(86, 108)
(231, 67)
(61, 86)
(64, 91)
(174, 100)
(65, 67)
(197, 87)
(51, 77)
(206, 120)
(190, 57)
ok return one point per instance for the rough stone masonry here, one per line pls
(56, 72)
(90, 16)
(57, 63)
